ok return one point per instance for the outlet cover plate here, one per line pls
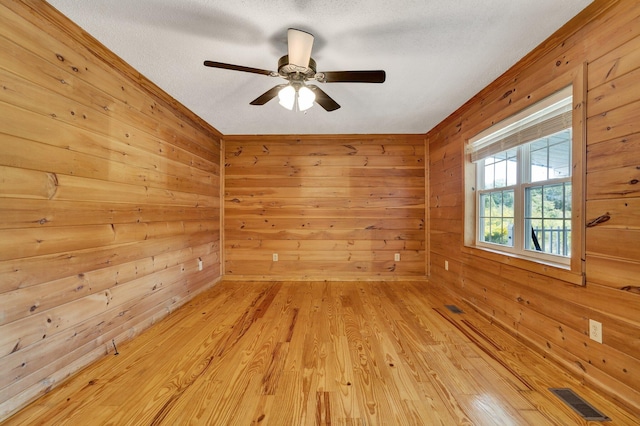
(595, 330)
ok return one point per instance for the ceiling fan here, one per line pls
(298, 67)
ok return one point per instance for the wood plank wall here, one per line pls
(331, 207)
(552, 315)
(109, 195)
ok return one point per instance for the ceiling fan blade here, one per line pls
(239, 68)
(300, 44)
(377, 76)
(323, 99)
(268, 95)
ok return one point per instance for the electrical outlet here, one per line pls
(275, 257)
(595, 330)
(199, 264)
(446, 265)
(396, 257)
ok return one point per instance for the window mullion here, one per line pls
(518, 194)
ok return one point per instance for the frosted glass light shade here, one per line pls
(306, 97)
(300, 45)
(287, 97)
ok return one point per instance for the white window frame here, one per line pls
(520, 232)
(570, 269)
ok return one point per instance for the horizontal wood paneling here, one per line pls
(332, 207)
(109, 197)
(24, 272)
(31, 213)
(542, 309)
(614, 153)
(617, 122)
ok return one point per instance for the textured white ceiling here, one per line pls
(437, 54)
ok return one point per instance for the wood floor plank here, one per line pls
(318, 353)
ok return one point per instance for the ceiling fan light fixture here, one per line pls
(287, 97)
(297, 68)
(306, 97)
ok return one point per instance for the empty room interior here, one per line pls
(200, 223)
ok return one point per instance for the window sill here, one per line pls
(553, 270)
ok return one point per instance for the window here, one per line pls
(523, 182)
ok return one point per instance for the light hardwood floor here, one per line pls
(301, 353)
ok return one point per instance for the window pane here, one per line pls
(550, 157)
(496, 204)
(553, 237)
(488, 175)
(539, 144)
(539, 164)
(507, 200)
(496, 230)
(496, 217)
(485, 229)
(485, 205)
(500, 231)
(548, 218)
(560, 156)
(512, 171)
(533, 235)
(508, 227)
(553, 203)
(533, 202)
(500, 174)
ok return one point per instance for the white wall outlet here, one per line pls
(199, 264)
(595, 330)
(446, 265)
(396, 257)
(275, 257)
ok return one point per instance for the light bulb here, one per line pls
(287, 97)
(306, 97)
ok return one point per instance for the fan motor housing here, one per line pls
(295, 72)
